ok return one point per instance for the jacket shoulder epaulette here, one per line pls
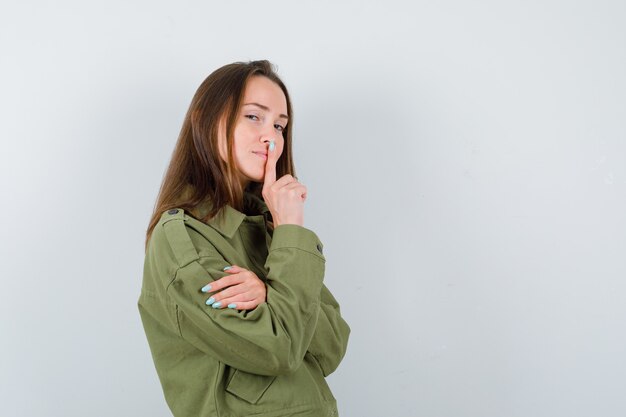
(173, 224)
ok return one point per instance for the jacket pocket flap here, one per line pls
(249, 387)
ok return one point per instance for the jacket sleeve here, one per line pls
(273, 338)
(330, 339)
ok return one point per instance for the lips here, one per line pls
(261, 154)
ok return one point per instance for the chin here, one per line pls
(260, 177)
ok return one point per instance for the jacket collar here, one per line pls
(228, 219)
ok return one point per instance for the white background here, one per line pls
(466, 167)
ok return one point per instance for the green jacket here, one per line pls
(268, 361)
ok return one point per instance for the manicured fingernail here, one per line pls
(217, 305)
(210, 301)
(232, 305)
(206, 288)
(272, 145)
(226, 268)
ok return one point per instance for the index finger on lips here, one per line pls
(270, 165)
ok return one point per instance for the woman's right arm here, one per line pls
(330, 341)
(273, 338)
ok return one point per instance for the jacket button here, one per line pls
(172, 211)
(319, 248)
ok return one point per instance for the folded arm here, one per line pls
(273, 338)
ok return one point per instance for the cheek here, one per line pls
(281, 146)
(239, 141)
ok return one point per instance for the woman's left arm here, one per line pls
(330, 339)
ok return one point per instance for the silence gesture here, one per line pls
(284, 197)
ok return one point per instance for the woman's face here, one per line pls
(261, 118)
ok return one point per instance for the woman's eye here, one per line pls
(277, 126)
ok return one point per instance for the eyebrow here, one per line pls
(282, 116)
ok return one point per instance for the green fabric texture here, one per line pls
(268, 361)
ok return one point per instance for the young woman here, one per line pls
(233, 304)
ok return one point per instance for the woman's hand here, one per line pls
(245, 290)
(285, 197)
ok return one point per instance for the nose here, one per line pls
(267, 134)
(266, 138)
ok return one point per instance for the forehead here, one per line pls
(264, 91)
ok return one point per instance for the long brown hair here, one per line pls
(196, 173)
